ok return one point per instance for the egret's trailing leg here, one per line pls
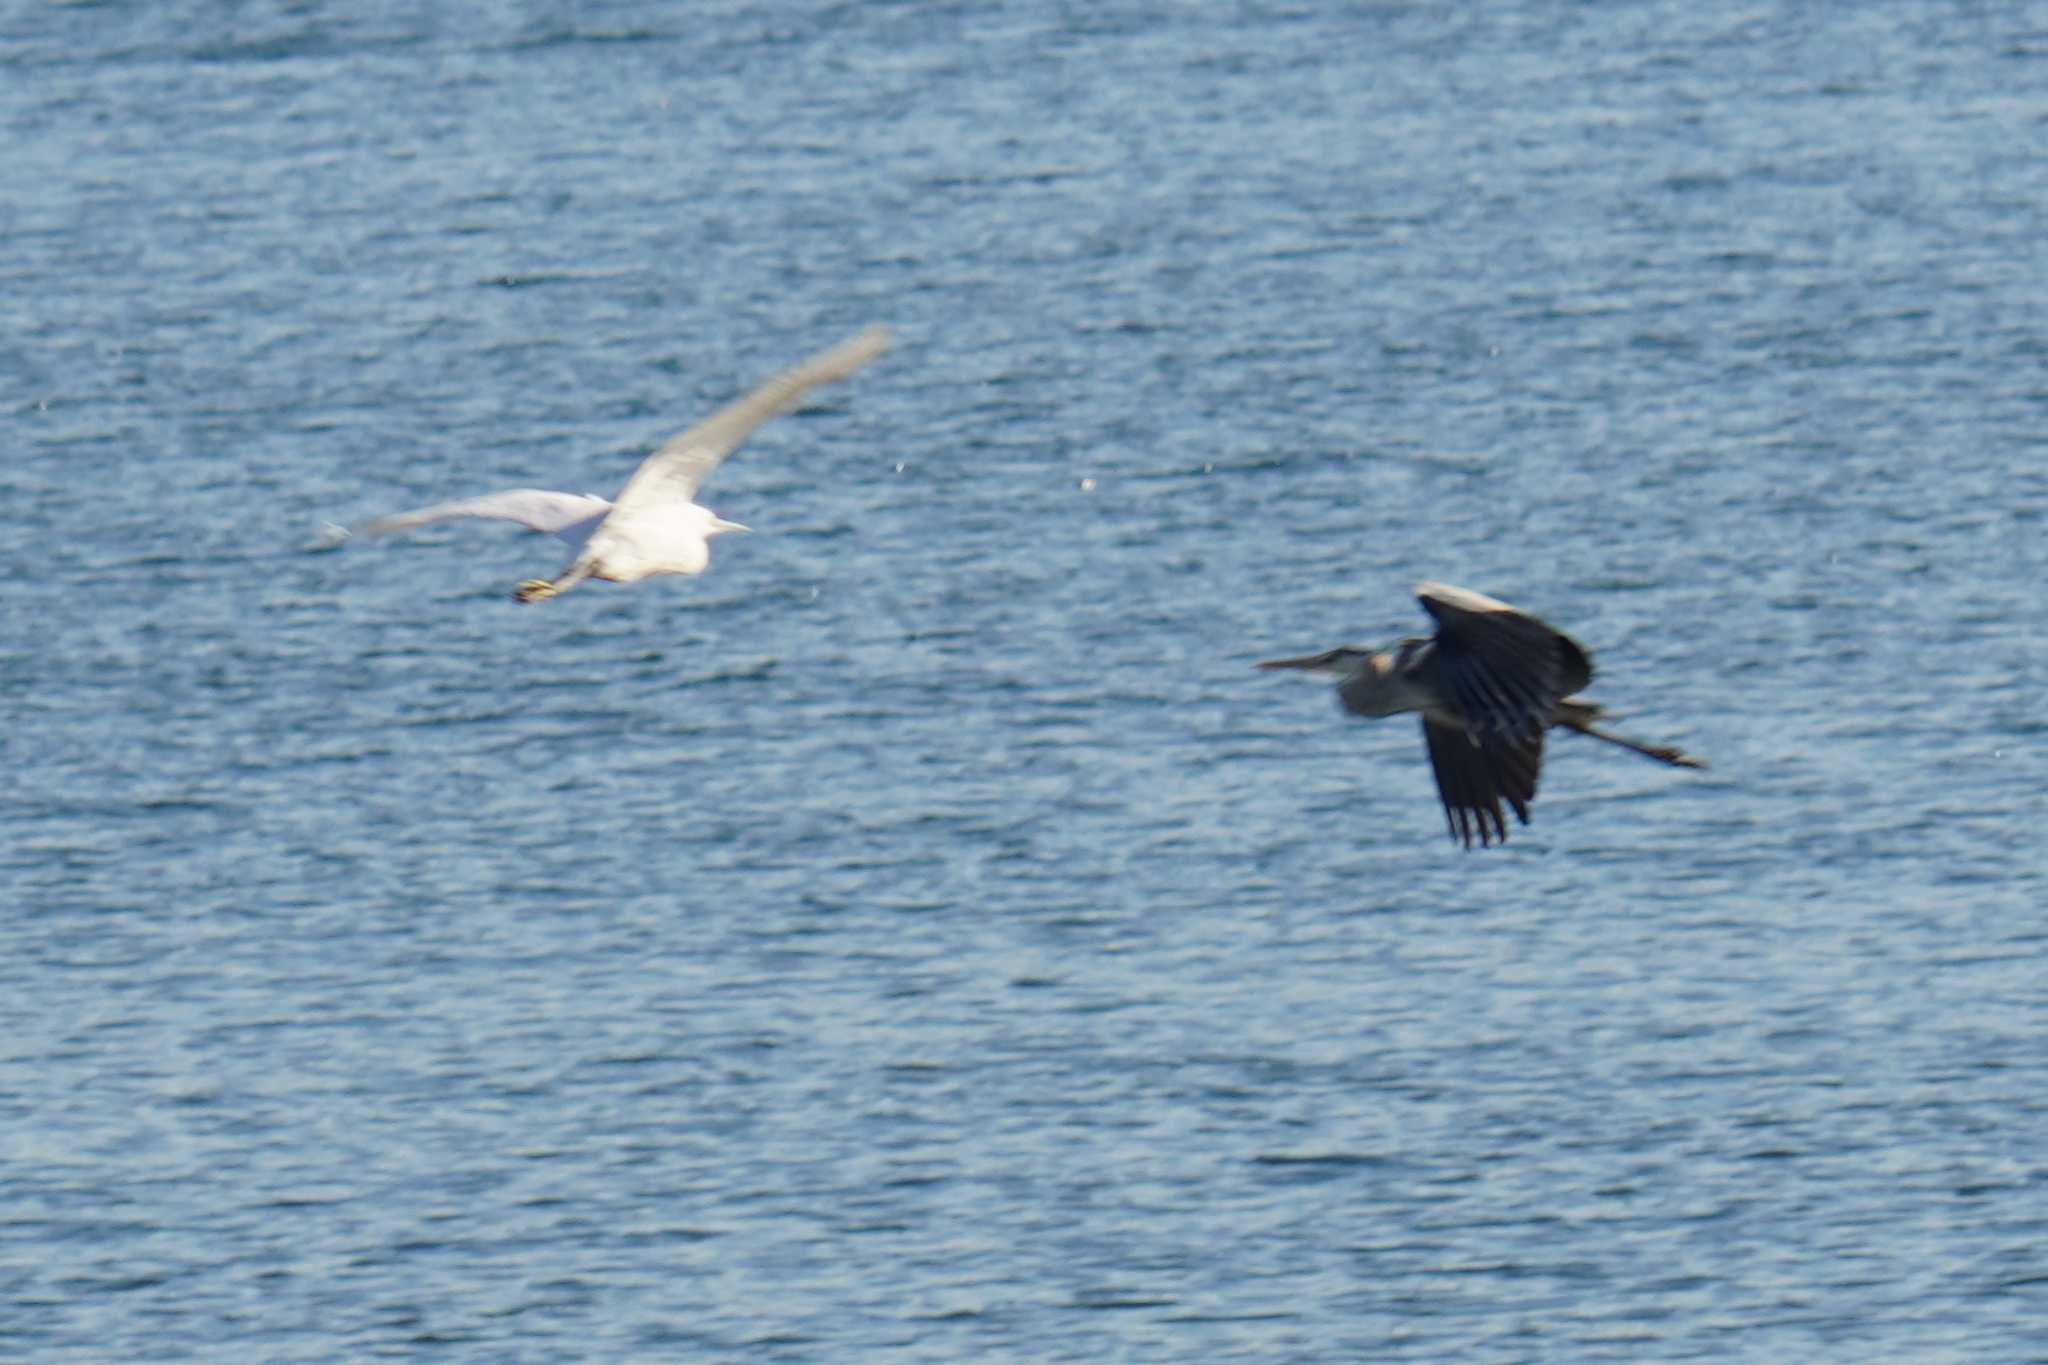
(540, 589)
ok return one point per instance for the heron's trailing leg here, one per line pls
(1663, 753)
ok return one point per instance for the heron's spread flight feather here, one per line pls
(1474, 779)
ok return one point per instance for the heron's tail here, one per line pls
(1580, 715)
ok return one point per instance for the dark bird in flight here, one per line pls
(1488, 684)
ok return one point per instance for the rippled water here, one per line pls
(924, 936)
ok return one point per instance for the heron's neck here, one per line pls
(1390, 682)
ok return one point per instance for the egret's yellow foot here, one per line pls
(535, 590)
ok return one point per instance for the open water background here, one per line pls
(924, 936)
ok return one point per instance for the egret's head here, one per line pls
(1341, 662)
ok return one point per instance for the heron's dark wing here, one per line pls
(1504, 670)
(1474, 778)
(535, 508)
(679, 468)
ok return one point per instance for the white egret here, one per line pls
(656, 525)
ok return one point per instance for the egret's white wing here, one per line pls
(679, 468)
(569, 515)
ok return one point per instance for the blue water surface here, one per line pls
(924, 937)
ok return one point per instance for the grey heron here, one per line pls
(1488, 684)
(655, 526)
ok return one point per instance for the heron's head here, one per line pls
(1341, 662)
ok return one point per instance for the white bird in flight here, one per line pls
(656, 525)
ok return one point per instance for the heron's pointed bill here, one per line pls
(1308, 663)
(719, 525)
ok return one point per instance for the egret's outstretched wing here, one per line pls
(1503, 669)
(569, 515)
(679, 468)
(1474, 778)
